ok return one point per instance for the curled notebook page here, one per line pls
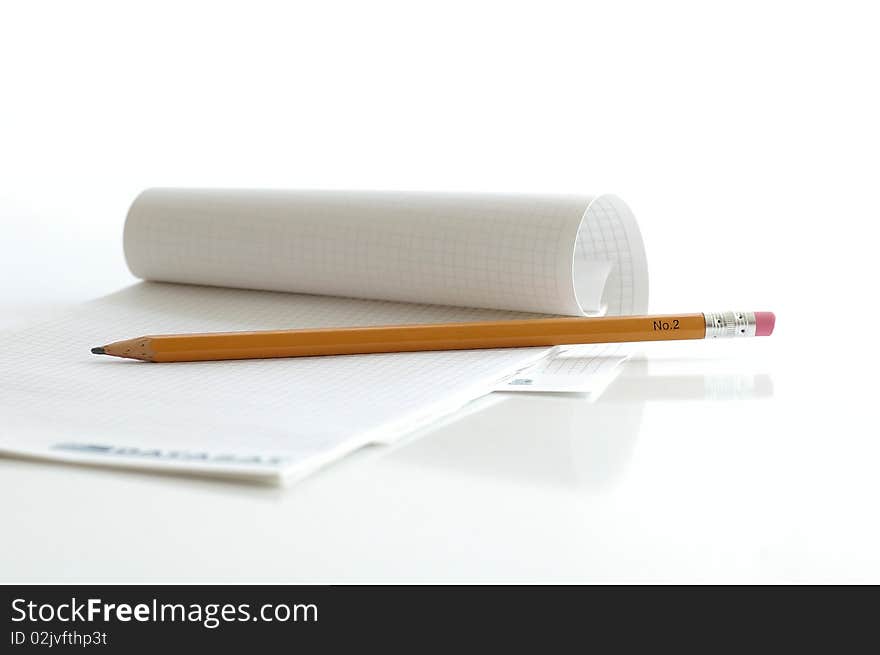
(569, 255)
(216, 261)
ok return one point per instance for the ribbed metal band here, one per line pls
(730, 325)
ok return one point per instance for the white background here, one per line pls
(745, 137)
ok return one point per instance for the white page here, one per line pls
(285, 417)
(257, 417)
(533, 253)
(584, 369)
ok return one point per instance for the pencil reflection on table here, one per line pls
(567, 440)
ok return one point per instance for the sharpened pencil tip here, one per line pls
(99, 350)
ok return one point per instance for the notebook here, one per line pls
(223, 260)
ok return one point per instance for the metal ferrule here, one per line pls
(730, 325)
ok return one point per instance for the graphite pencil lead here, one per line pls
(99, 350)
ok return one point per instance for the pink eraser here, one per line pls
(764, 323)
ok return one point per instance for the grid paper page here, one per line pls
(250, 418)
(534, 253)
(586, 368)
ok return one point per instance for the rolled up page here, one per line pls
(566, 255)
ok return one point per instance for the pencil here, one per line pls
(441, 336)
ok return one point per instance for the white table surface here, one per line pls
(723, 461)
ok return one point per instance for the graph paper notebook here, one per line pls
(259, 260)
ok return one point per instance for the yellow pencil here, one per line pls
(444, 336)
